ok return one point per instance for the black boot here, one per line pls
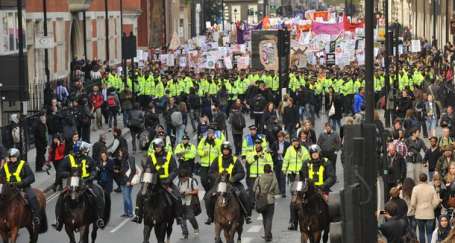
(58, 225)
(138, 210)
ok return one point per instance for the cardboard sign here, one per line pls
(415, 46)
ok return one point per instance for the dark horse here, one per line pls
(313, 212)
(15, 214)
(158, 210)
(228, 213)
(78, 212)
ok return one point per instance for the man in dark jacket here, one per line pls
(394, 228)
(230, 164)
(238, 123)
(99, 147)
(404, 104)
(40, 142)
(395, 171)
(136, 124)
(19, 173)
(330, 143)
(278, 149)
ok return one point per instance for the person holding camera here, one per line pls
(415, 164)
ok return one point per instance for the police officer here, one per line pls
(255, 164)
(19, 173)
(226, 162)
(161, 162)
(78, 163)
(249, 141)
(186, 152)
(208, 150)
(319, 171)
(292, 164)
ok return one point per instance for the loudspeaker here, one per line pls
(129, 47)
(11, 89)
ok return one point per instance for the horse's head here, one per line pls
(76, 188)
(7, 192)
(150, 181)
(224, 191)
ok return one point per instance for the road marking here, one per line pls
(246, 239)
(259, 218)
(120, 225)
(52, 197)
(254, 229)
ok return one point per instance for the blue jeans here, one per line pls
(127, 202)
(426, 227)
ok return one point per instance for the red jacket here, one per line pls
(96, 100)
(58, 153)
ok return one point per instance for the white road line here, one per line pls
(254, 229)
(52, 197)
(120, 225)
(247, 239)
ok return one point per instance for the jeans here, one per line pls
(188, 214)
(112, 118)
(335, 123)
(180, 131)
(280, 176)
(127, 202)
(238, 143)
(267, 220)
(301, 112)
(194, 118)
(126, 117)
(98, 118)
(426, 227)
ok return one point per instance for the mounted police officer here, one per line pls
(161, 162)
(319, 171)
(78, 163)
(226, 162)
(18, 173)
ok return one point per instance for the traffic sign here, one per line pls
(44, 42)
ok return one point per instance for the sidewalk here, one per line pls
(43, 180)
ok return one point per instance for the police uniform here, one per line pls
(20, 174)
(249, 142)
(163, 164)
(208, 149)
(85, 167)
(186, 154)
(320, 172)
(234, 168)
(255, 165)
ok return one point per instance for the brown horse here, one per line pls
(15, 214)
(313, 212)
(228, 213)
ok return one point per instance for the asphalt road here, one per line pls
(120, 230)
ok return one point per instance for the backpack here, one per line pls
(176, 118)
(237, 121)
(136, 120)
(111, 101)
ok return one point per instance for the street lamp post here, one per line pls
(106, 26)
(21, 68)
(123, 36)
(84, 22)
(434, 20)
(46, 52)
(369, 59)
(387, 60)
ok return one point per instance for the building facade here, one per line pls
(65, 25)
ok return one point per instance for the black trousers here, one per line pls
(280, 176)
(267, 220)
(332, 157)
(40, 156)
(238, 138)
(205, 180)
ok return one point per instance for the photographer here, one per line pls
(415, 164)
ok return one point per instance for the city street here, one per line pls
(122, 230)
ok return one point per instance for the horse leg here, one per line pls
(33, 235)
(147, 231)
(70, 233)
(84, 234)
(5, 237)
(218, 233)
(13, 233)
(169, 231)
(94, 233)
(160, 232)
(316, 237)
(325, 237)
(239, 233)
(304, 237)
(229, 234)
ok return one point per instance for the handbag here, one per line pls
(332, 110)
(195, 203)
(261, 199)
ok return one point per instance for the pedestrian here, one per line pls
(394, 227)
(189, 189)
(97, 101)
(126, 104)
(40, 133)
(237, 121)
(432, 114)
(126, 172)
(278, 149)
(136, 124)
(105, 176)
(119, 142)
(442, 231)
(84, 120)
(432, 155)
(406, 194)
(178, 121)
(99, 147)
(443, 163)
(290, 117)
(402, 207)
(330, 143)
(113, 107)
(56, 156)
(265, 189)
(395, 168)
(446, 138)
(424, 200)
(334, 108)
(414, 159)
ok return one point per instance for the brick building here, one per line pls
(66, 26)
